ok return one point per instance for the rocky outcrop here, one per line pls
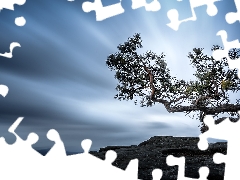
(153, 152)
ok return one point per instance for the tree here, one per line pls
(148, 78)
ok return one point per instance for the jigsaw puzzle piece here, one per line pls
(219, 158)
(216, 131)
(153, 6)
(232, 17)
(180, 162)
(3, 90)
(12, 46)
(14, 126)
(13, 156)
(72, 166)
(86, 145)
(231, 170)
(24, 148)
(173, 14)
(203, 142)
(233, 146)
(2, 142)
(58, 149)
(203, 172)
(4, 146)
(131, 172)
(157, 174)
(20, 21)
(219, 54)
(132, 169)
(90, 163)
(110, 156)
(9, 4)
(103, 12)
(30, 157)
(100, 167)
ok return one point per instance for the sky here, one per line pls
(58, 78)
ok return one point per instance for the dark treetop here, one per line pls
(147, 78)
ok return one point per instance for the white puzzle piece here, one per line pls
(9, 4)
(232, 135)
(219, 54)
(25, 161)
(153, 6)
(62, 166)
(232, 17)
(19, 21)
(3, 90)
(102, 13)
(21, 161)
(58, 149)
(157, 174)
(19, 157)
(12, 46)
(174, 16)
(180, 162)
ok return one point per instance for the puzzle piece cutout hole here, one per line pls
(232, 17)
(86, 145)
(102, 12)
(173, 14)
(157, 174)
(110, 156)
(180, 162)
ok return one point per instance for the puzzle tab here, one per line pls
(12, 46)
(103, 13)
(58, 149)
(101, 168)
(180, 162)
(219, 54)
(19, 21)
(3, 90)
(157, 174)
(19, 159)
(25, 162)
(153, 6)
(232, 135)
(173, 14)
(232, 17)
(9, 4)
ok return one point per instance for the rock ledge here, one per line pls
(153, 152)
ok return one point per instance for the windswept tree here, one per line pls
(146, 79)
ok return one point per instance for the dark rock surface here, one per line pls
(153, 152)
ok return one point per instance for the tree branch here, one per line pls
(205, 128)
(201, 98)
(151, 82)
(181, 97)
(207, 110)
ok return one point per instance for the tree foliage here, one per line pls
(148, 78)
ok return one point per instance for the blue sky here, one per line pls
(58, 77)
